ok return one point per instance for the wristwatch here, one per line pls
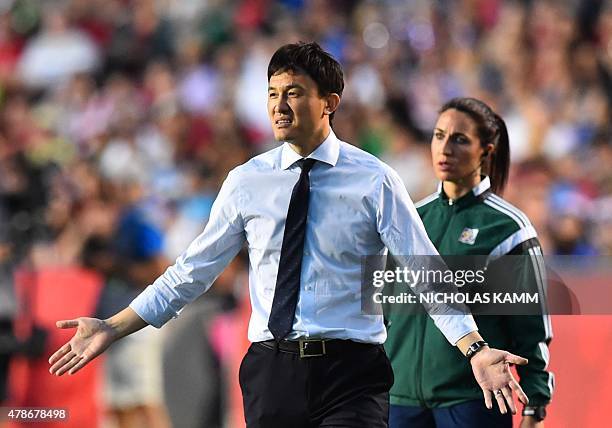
(475, 348)
(536, 412)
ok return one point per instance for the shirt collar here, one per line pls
(327, 152)
(483, 186)
(479, 189)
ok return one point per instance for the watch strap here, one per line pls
(536, 412)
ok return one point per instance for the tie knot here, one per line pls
(306, 164)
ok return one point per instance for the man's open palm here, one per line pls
(492, 371)
(92, 337)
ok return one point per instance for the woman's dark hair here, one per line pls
(491, 129)
(309, 59)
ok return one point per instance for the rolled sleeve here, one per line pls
(199, 266)
(153, 308)
(454, 327)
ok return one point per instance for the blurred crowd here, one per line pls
(119, 119)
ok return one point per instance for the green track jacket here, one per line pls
(429, 372)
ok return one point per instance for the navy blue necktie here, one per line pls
(290, 264)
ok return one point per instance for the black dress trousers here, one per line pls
(348, 389)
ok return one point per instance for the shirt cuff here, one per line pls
(152, 307)
(454, 327)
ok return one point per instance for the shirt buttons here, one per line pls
(308, 288)
(306, 253)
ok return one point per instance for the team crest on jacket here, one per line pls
(468, 236)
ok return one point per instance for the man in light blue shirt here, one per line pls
(309, 211)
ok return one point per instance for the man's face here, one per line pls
(295, 108)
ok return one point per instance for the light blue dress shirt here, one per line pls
(358, 207)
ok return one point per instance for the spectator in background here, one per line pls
(199, 87)
(569, 236)
(142, 34)
(10, 48)
(194, 381)
(57, 53)
(8, 308)
(133, 369)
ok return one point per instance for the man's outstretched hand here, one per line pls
(91, 338)
(491, 369)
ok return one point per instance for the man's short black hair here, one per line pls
(309, 59)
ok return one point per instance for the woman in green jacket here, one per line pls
(434, 385)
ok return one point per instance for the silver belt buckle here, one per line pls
(308, 343)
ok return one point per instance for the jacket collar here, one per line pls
(478, 190)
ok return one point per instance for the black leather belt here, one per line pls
(307, 348)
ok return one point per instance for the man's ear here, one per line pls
(331, 103)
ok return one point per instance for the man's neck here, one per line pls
(305, 148)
